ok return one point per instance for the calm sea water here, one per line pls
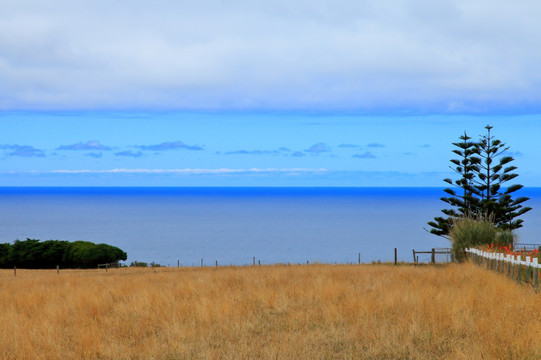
(233, 225)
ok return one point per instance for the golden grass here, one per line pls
(271, 312)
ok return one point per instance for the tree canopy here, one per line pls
(481, 189)
(36, 254)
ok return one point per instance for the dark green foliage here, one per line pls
(479, 191)
(102, 254)
(493, 173)
(5, 254)
(138, 264)
(33, 254)
(461, 196)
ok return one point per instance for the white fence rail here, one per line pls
(526, 270)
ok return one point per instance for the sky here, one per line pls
(253, 93)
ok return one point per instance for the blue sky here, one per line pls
(246, 149)
(249, 93)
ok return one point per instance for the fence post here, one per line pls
(413, 250)
(359, 259)
(518, 268)
(395, 257)
(535, 274)
(57, 269)
(14, 270)
(254, 261)
(508, 266)
(514, 269)
(433, 257)
(201, 262)
(528, 264)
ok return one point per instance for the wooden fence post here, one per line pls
(413, 250)
(514, 269)
(254, 261)
(518, 269)
(15, 270)
(535, 274)
(57, 269)
(201, 262)
(395, 257)
(433, 257)
(359, 262)
(528, 264)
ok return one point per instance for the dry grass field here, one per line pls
(270, 312)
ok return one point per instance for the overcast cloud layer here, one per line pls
(374, 56)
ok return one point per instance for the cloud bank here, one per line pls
(190, 171)
(23, 151)
(89, 145)
(166, 146)
(449, 56)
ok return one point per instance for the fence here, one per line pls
(528, 246)
(444, 255)
(512, 265)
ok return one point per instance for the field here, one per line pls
(269, 312)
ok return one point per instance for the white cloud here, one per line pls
(424, 55)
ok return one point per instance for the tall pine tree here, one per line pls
(496, 202)
(483, 170)
(461, 197)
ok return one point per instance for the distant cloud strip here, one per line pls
(89, 145)
(189, 171)
(23, 151)
(166, 146)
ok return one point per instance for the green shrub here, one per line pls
(468, 232)
(504, 238)
(138, 264)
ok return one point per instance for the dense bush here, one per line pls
(469, 232)
(33, 254)
(139, 264)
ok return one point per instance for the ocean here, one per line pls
(235, 225)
